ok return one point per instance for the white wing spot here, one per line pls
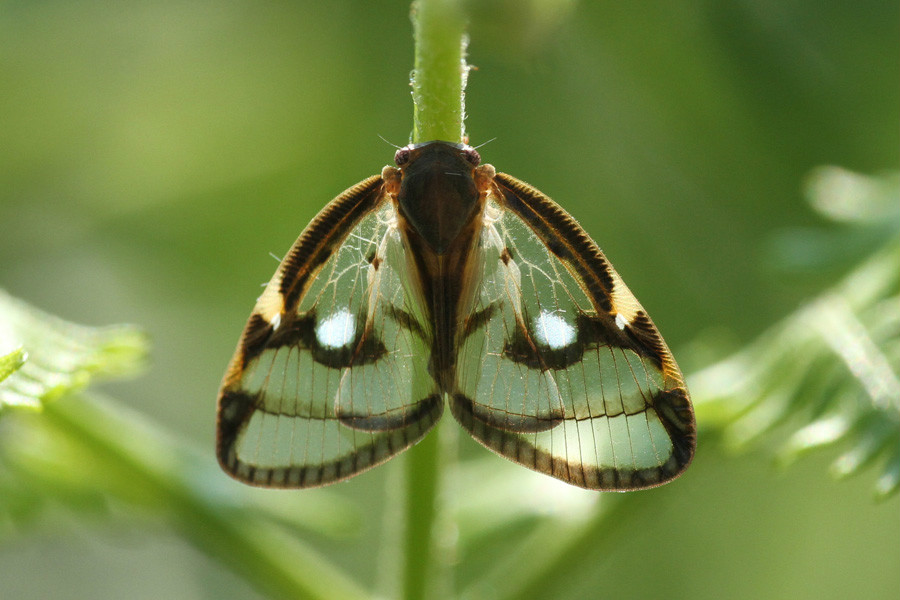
(621, 321)
(230, 411)
(337, 330)
(553, 331)
(276, 321)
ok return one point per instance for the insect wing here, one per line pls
(561, 369)
(329, 379)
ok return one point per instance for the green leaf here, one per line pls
(89, 455)
(12, 362)
(830, 372)
(61, 356)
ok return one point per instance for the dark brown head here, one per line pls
(438, 195)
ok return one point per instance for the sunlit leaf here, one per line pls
(12, 362)
(62, 356)
(829, 371)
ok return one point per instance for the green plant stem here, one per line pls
(438, 84)
(439, 78)
(422, 480)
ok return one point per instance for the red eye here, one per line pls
(401, 157)
(472, 157)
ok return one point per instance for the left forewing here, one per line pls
(330, 376)
(561, 369)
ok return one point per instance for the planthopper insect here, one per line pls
(438, 282)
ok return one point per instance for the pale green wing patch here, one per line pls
(330, 378)
(560, 368)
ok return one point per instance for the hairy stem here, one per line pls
(438, 84)
(439, 78)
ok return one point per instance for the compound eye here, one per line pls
(472, 157)
(401, 157)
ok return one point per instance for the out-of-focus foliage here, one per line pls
(831, 370)
(12, 362)
(61, 356)
(91, 456)
(152, 155)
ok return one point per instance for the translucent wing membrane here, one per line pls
(561, 369)
(442, 280)
(330, 377)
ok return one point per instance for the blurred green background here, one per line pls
(153, 154)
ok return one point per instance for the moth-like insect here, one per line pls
(442, 281)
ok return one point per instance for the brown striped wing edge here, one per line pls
(562, 369)
(321, 386)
